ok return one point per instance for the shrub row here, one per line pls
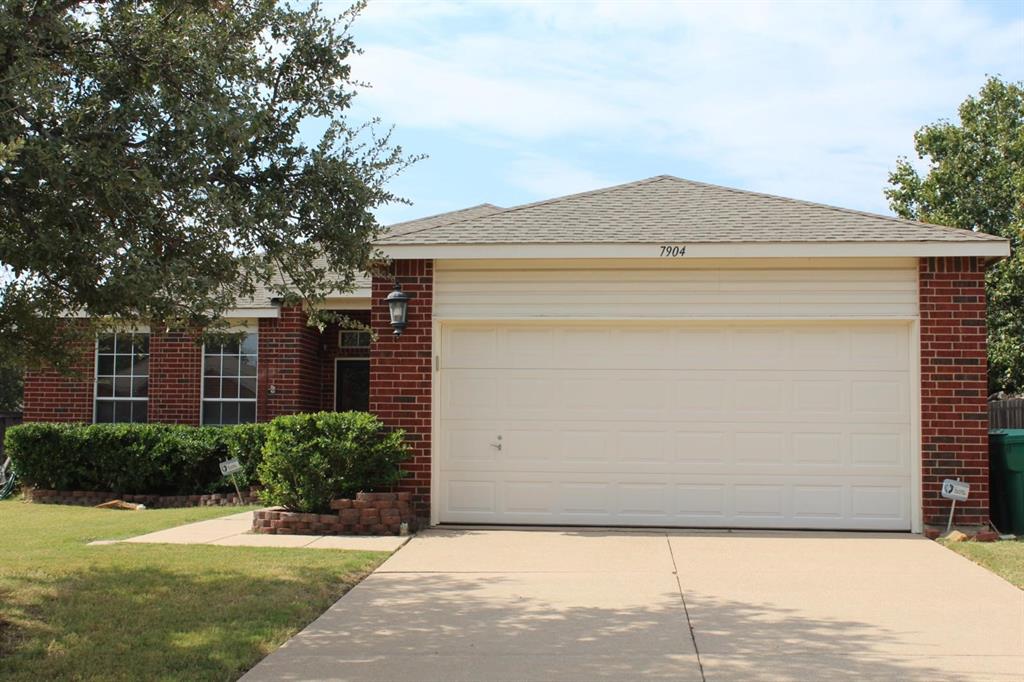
(302, 461)
(158, 459)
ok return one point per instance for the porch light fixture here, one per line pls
(398, 304)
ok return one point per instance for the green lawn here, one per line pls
(1004, 558)
(155, 612)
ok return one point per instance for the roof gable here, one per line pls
(669, 209)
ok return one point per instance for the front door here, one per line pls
(351, 385)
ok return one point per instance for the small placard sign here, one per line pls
(230, 466)
(955, 490)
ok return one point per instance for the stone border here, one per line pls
(91, 498)
(367, 514)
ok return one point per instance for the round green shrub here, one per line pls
(310, 459)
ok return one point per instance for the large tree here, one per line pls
(975, 180)
(152, 168)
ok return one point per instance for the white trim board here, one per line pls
(989, 248)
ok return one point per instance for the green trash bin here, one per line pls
(1006, 479)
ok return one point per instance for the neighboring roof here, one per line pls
(668, 209)
(440, 219)
(262, 298)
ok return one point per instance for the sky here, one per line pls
(515, 102)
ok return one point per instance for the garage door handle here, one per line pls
(496, 445)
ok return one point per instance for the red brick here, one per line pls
(401, 371)
(954, 410)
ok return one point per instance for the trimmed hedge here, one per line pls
(311, 459)
(159, 459)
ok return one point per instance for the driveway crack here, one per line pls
(686, 610)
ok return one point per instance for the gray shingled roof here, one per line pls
(668, 209)
(408, 226)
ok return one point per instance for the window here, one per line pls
(122, 378)
(229, 382)
(351, 385)
(353, 338)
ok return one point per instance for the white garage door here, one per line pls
(788, 425)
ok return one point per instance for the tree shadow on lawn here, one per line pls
(153, 623)
(443, 626)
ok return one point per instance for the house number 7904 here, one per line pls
(673, 251)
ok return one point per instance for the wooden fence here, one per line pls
(1006, 414)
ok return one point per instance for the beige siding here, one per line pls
(676, 289)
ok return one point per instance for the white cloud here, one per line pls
(544, 176)
(805, 99)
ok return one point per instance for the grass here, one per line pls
(155, 612)
(1004, 558)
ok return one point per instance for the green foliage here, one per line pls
(151, 167)
(975, 181)
(310, 459)
(245, 443)
(11, 389)
(161, 459)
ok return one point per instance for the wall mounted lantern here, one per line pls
(398, 304)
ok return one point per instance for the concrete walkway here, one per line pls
(234, 530)
(581, 605)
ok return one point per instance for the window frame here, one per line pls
(96, 397)
(202, 381)
(358, 333)
(339, 360)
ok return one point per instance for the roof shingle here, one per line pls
(667, 209)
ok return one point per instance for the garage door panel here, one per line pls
(819, 450)
(879, 502)
(695, 502)
(584, 498)
(879, 348)
(749, 425)
(642, 446)
(529, 497)
(875, 398)
(879, 450)
(823, 502)
(679, 395)
(695, 448)
(658, 501)
(642, 499)
(473, 497)
(662, 347)
(582, 446)
(756, 503)
(814, 448)
(758, 449)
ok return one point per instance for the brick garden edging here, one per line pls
(91, 498)
(368, 514)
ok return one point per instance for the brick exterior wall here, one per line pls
(297, 360)
(54, 397)
(175, 382)
(954, 386)
(400, 370)
(289, 365)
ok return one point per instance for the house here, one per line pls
(663, 353)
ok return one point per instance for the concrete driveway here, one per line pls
(578, 605)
